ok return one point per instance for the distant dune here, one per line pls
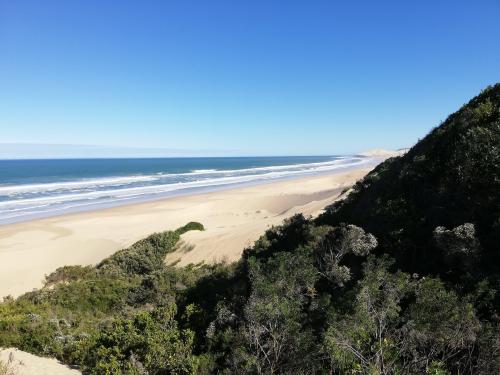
(380, 152)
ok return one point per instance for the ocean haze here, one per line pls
(76, 151)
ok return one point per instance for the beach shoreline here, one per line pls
(233, 219)
(30, 200)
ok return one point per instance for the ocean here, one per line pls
(32, 189)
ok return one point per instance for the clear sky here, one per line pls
(241, 77)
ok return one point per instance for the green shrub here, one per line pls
(192, 225)
(67, 274)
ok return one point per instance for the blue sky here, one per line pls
(240, 77)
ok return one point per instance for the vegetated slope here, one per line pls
(116, 317)
(449, 178)
(427, 298)
(400, 278)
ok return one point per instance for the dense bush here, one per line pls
(448, 179)
(148, 342)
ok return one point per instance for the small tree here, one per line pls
(402, 325)
(274, 337)
(459, 246)
(439, 327)
(365, 340)
(337, 244)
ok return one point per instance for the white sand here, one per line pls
(22, 363)
(233, 219)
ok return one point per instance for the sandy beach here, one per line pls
(233, 219)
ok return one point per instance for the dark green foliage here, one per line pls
(145, 256)
(401, 325)
(295, 232)
(401, 277)
(365, 339)
(273, 335)
(192, 225)
(459, 247)
(439, 325)
(149, 342)
(448, 179)
(336, 245)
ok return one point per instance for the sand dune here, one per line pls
(233, 219)
(22, 363)
(380, 152)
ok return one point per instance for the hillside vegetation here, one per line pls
(401, 277)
